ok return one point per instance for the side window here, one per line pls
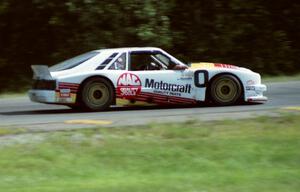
(119, 63)
(141, 61)
(152, 60)
(166, 61)
(73, 62)
(163, 58)
(106, 61)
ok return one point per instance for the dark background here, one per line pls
(262, 35)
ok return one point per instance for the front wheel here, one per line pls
(225, 90)
(97, 94)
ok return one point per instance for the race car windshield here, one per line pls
(73, 62)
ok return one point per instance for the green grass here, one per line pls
(12, 94)
(11, 131)
(280, 78)
(247, 155)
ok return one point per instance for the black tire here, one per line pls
(225, 90)
(96, 95)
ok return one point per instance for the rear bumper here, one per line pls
(254, 93)
(51, 96)
(42, 96)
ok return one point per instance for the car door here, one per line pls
(158, 83)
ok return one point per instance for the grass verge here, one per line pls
(10, 131)
(13, 95)
(259, 154)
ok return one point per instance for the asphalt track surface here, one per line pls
(22, 113)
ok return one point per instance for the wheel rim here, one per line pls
(226, 90)
(97, 94)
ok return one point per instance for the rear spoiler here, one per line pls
(41, 72)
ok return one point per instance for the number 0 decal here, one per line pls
(201, 78)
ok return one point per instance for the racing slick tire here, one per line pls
(97, 95)
(225, 90)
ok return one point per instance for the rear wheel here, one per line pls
(225, 90)
(97, 94)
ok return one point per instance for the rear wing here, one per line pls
(41, 72)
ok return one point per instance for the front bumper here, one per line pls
(254, 93)
(51, 96)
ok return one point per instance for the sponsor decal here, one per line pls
(128, 85)
(250, 82)
(73, 87)
(220, 65)
(64, 93)
(167, 88)
(163, 99)
(65, 97)
(203, 65)
(250, 88)
(187, 75)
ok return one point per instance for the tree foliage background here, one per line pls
(261, 35)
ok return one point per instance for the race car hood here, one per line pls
(205, 65)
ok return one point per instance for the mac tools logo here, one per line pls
(128, 85)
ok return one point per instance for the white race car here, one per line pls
(99, 79)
